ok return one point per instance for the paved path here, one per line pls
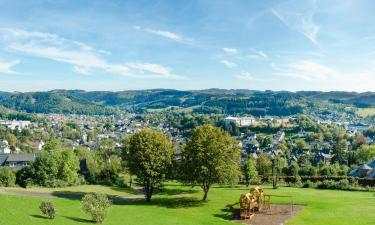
(139, 196)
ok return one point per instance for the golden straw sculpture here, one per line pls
(253, 201)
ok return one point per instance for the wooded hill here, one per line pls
(239, 101)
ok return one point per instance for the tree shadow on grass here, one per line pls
(80, 220)
(170, 202)
(169, 192)
(227, 213)
(174, 203)
(125, 190)
(39, 217)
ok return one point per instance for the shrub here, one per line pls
(96, 205)
(340, 185)
(327, 184)
(48, 209)
(7, 177)
(309, 184)
(256, 181)
(298, 182)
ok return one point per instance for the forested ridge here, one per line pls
(258, 103)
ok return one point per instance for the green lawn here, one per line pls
(181, 205)
(113, 191)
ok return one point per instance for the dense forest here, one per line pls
(258, 103)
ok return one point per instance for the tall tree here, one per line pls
(263, 164)
(249, 170)
(149, 154)
(210, 156)
(340, 149)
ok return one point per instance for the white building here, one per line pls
(240, 121)
(4, 147)
(15, 124)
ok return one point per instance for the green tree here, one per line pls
(51, 169)
(106, 149)
(365, 153)
(52, 145)
(301, 144)
(7, 177)
(249, 170)
(263, 165)
(149, 155)
(210, 156)
(11, 138)
(340, 149)
(293, 169)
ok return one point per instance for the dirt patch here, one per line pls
(277, 215)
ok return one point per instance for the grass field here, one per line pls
(113, 191)
(181, 206)
(366, 112)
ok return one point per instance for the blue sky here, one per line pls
(139, 44)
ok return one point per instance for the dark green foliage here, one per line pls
(257, 103)
(293, 169)
(149, 156)
(330, 184)
(98, 170)
(249, 170)
(51, 169)
(48, 209)
(53, 102)
(96, 205)
(210, 156)
(7, 177)
(309, 184)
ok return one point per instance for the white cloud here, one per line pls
(228, 63)
(258, 55)
(154, 69)
(244, 75)
(7, 67)
(82, 57)
(166, 34)
(299, 16)
(230, 50)
(307, 70)
(80, 70)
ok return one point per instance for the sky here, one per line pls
(194, 44)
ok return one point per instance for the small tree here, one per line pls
(264, 165)
(210, 156)
(249, 170)
(149, 155)
(48, 209)
(96, 205)
(293, 169)
(7, 177)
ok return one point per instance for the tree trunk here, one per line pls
(205, 196)
(205, 189)
(148, 190)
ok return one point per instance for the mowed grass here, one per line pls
(179, 205)
(82, 189)
(366, 112)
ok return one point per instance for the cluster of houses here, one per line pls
(15, 124)
(322, 150)
(257, 121)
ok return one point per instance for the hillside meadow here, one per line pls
(181, 205)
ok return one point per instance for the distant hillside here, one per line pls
(366, 99)
(52, 102)
(221, 101)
